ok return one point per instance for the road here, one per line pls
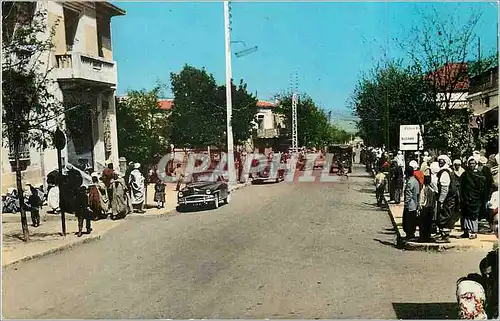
(287, 250)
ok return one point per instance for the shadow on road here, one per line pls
(391, 244)
(429, 311)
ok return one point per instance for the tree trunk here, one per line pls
(20, 193)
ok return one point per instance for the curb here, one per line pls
(427, 247)
(97, 236)
(55, 250)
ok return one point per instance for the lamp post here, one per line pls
(229, 105)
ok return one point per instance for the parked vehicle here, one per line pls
(203, 193)
(265, 174)
(342, 157)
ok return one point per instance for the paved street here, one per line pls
(303, 250)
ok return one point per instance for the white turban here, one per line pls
(137, 165)
(483, 160)
(434, 168)
(414, 164)
(426, 153)
(94, 174)
(446, 159)
(457, 161)
(471, 158)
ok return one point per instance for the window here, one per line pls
(71, 19)
(24, 151)
(487, 102)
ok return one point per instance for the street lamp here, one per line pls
(229, 106)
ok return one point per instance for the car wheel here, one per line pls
(216, 202)
(228, 198)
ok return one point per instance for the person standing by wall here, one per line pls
(83, 211)
(427, 207)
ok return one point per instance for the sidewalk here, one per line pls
(47, 238)
(485, 239)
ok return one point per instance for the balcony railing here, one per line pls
(267, 133)
(76, 65)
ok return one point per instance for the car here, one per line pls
(341, 154)
(203, 193)
(265, 174)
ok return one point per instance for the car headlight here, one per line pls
(180, 194)
(208, 191)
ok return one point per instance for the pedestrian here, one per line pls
(417, 173)
(107, 176)
(447, 194)
(427, 207)
(472, 187)
(179, 175)
(411, 198)
(397, 181)
(83, 211)
(34, 204)
(119, 201)
(96, 199)
(137, 189)
(380, 184)
(160, 193)
(486, 172)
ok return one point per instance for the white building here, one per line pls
(86, 75)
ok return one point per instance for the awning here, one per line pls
(487, 110)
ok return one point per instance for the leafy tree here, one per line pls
(392, 95)
(28, 103)
(446, 44)
(142, 126)
(199, 116)
(313, 127)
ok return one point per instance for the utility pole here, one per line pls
(294, 119)
(229, 103)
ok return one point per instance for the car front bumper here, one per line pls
(196, 199)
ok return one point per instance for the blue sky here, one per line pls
(329, 44)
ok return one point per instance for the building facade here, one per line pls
(85, 82)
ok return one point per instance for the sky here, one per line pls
(329, 45)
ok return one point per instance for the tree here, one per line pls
(390, 96)
(442, 49)
(199, 117)
(142, 126)
(28, 103)
(313, 127)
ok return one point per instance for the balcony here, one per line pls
(80, 66)
(267, 133)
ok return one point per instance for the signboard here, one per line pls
(410, 137)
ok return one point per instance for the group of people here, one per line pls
(110, 194)
(438, 192)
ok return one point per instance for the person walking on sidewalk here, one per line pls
(446, 197)
(137, 189)
(83, 211)
(472, 188)
(179, 175)
(427, 207)
(380, 183)
(411, 196)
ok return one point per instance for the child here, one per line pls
(160, 193)
(83, 211)
(33, 204)
(380, 183)
(427, 204)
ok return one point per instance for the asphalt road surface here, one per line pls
(287, 250)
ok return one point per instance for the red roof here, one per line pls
(451, 75)
(165, 104)
(265, 104)
(168, 104)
